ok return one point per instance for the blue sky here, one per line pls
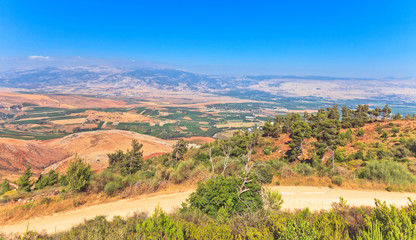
(325, 37)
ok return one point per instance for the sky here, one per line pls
(326, 37)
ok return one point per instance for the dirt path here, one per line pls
(315, 198)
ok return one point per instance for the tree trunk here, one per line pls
(333, 160)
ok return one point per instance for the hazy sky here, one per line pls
(337, 38)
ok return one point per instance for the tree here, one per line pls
(327, 134)
(78, 175)
(127, 163)
(135, 156)
(5, 186)
(346, 117)
(361, 115)
(397, 116)
(49, 179)
(300, 131)
(374, 114)
(180, 149)
(271, 129)
(24, 183)
(386, 111)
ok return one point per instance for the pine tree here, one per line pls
(179, 150)
(129, 162)
(386, 111)
(78, 175)
(5, 186)
(300, 131)
(24, 183)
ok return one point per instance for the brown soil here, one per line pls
(16, 155)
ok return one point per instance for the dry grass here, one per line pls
(49, 205)
(14, 212)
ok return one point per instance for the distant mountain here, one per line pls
(112, 80)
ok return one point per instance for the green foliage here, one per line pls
(50, 179)
(116, 184)
(337, 180)
(160, 226)
(359, 132)
(385, 135)
(304, 169)
(341, 222)
(180, 149)
(267, 150)
(300, 131)
(386, 111)
(182, 171)
(129, 162)
(273, 200)
(24, 183)
(78, 175)
(388, 172)
(264, 173)
(215, 192)
(5, 186)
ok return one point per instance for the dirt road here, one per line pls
(316, 198)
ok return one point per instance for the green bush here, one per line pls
(183, 171)
(304, 169)
(213, 194)
(78, 175)
(113, 186)
(388, 172)
(267, 150)
(360, 132)
(337, 180)
(273, 200)
(264, 173)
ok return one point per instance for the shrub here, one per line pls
(385, 135)
(46, 200)
(267, 150)
(337, 180)
(360, 132)
(183, 171)
(273, 200)
(304, 169)
(339, 156)
(215, 192)
(358, 145)
(111, 187)
(130, 180)
(264, 173)
(286, 172)
(388, 172)
(160, 226)
(78, 175)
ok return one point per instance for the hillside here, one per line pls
(16, 154)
